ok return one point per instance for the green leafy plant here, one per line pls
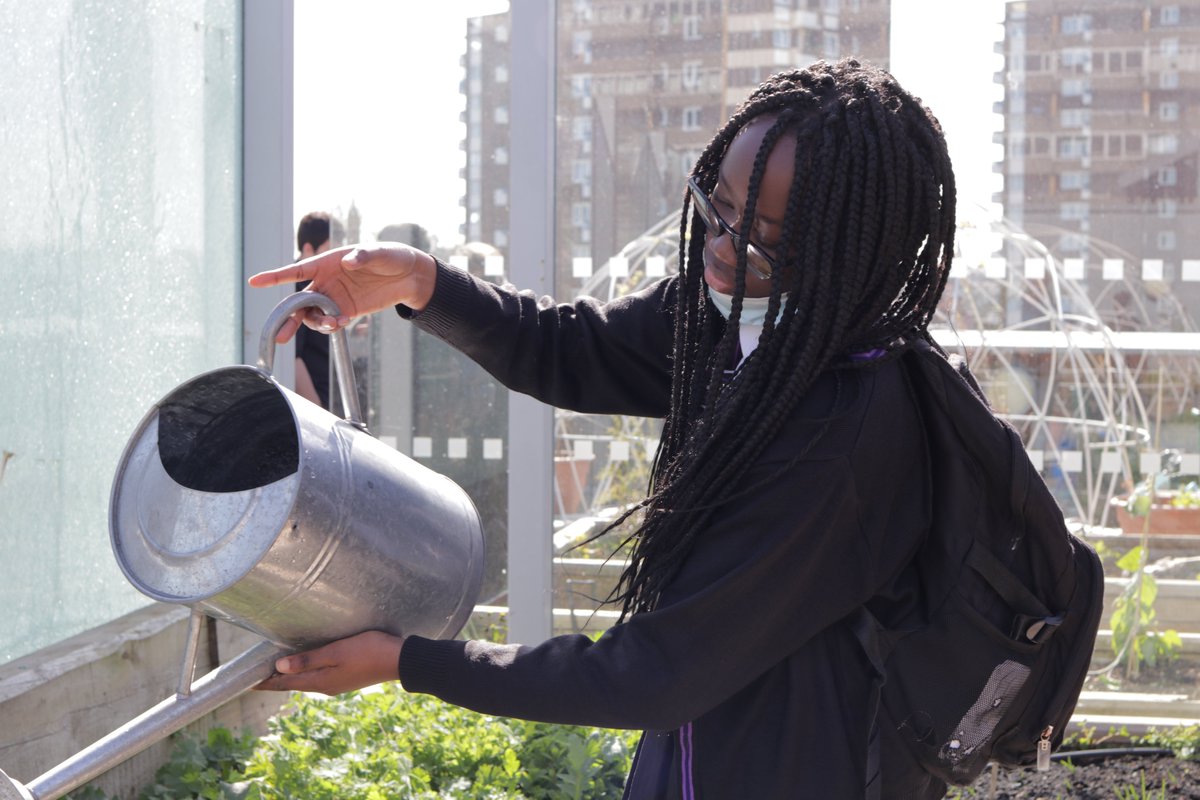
(384, 744)
(398, 746)
(1105, 551)
(1140, 500)
(87, 793)
(574, 763)
(1085, 738)
(1182, 740)
(1140, 791)
(1187, 497)
(210, 769)
(1133, 618)
(388, 744)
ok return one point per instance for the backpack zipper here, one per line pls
(1043, 749)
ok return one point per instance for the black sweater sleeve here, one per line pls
(811, 542)
(611, 358)
(664, 668)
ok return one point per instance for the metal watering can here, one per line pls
(246, 502)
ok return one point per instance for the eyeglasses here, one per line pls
(757, 261)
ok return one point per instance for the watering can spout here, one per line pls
(214, 690)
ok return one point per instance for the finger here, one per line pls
(321, 322)
(309, 660)
(315, 320)
(287, 330)
(286, 683)
(271, 684)
(305, 270)
(273, 277)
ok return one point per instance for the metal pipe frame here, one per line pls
(207, 694)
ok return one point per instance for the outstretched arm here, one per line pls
(361, 280)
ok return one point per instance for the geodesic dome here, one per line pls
(1066, 354)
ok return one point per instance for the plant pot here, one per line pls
(1164, 517)
(570, 478)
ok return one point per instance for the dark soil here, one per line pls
(1124, 778)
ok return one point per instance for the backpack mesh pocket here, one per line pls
(978, 725)
(952, 686)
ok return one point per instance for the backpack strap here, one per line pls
(1033, 621)
(874, 638)
(1018, 597)
(877, 645)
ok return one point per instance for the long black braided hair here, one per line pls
(865, 250)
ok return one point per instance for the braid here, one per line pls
(864, 252)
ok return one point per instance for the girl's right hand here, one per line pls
(360, 279)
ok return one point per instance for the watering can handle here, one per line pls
(338, 346)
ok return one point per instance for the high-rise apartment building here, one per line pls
(1102, 101)
(642, 86)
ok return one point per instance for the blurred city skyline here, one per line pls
(378, 102)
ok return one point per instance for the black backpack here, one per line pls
(987, 662)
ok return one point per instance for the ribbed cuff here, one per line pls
(450, 293)
(424, 662)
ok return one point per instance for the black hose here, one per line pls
(1102, 754)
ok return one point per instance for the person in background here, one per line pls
(791, 488)
(316, 233)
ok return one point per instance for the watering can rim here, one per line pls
(117, 533)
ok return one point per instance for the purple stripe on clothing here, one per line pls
(868, 355)
(685, 743)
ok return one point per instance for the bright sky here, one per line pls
(943, 52)
(378, 102)
(377, 110)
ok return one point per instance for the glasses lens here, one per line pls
(758, 260)
(708, 214)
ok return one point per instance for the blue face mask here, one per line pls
(754, 309)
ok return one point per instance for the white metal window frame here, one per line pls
(531, 256)
(267, 145)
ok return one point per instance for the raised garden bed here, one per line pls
(1112, 778)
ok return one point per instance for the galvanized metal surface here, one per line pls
(342, 366)
(187, 671)
(239, 498)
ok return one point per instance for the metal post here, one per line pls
(266, 164)
(188, 671)
(531, 259)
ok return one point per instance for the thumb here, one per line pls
(306, 661)
(288, 665)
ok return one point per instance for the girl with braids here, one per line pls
(790, 488)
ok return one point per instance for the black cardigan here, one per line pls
(747, 679)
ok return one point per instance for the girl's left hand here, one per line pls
(364, 659)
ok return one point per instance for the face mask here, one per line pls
(754, 309)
